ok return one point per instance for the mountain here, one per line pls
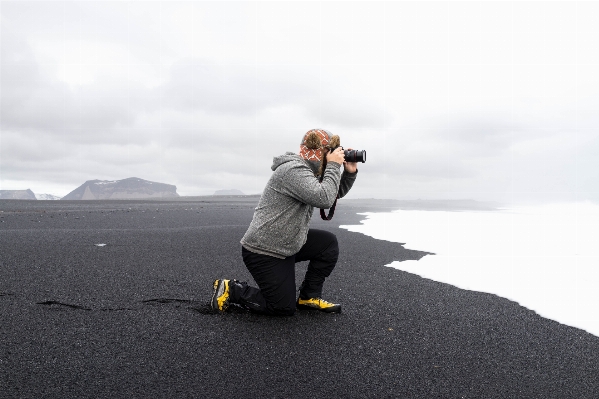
(17, 194)
(228, 192)
(131, 188)
(47, 197)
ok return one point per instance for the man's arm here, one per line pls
(348, 177)
(347, 181)
(301, 184)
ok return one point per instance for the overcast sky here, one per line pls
(477, 100)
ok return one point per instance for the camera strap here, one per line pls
(332, 209)
(331, 212)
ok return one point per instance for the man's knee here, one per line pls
(285, 304)
(332, 251)
(286, 311)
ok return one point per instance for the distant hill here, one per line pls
(131, 188)
(47, 197)
(17, 194)
(228, 192)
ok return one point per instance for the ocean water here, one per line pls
(546, 258)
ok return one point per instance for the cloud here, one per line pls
(34, 101)
(203, 95)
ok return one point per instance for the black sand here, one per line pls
(129, 319)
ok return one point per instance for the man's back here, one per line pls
(280, 223)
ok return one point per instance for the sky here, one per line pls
(492, 101)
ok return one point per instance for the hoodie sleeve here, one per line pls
(300, 183)
(347, 181)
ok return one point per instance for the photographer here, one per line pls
(279, 235)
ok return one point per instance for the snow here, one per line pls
(544, 257)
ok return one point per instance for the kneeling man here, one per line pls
(279, 234)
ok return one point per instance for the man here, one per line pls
(279, 234)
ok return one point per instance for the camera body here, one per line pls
(353, 155)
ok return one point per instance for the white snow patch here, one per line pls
(47, 197)
(546, 258)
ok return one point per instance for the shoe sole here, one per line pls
(218, 288)
(326, 310)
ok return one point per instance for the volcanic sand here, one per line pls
(129, 319)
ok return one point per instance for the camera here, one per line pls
(353, 155)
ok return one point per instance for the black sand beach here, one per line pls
(128, 319)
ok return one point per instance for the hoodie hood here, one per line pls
(281, 159)
(293, 157)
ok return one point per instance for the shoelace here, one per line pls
(323, 302)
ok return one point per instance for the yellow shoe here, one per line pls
(318, 304)
(220, 296)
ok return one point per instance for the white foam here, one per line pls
(545, 258)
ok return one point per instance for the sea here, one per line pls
(545, 257)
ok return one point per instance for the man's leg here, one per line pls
(322, 250)
(276, 279)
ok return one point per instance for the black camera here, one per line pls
(353, 155)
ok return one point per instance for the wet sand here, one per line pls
(128, 319)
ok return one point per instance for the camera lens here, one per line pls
(355, 156)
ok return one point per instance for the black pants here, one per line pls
(276, 277)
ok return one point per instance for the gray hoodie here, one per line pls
(280, 224)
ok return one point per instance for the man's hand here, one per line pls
(336, 156)
(350, 167)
